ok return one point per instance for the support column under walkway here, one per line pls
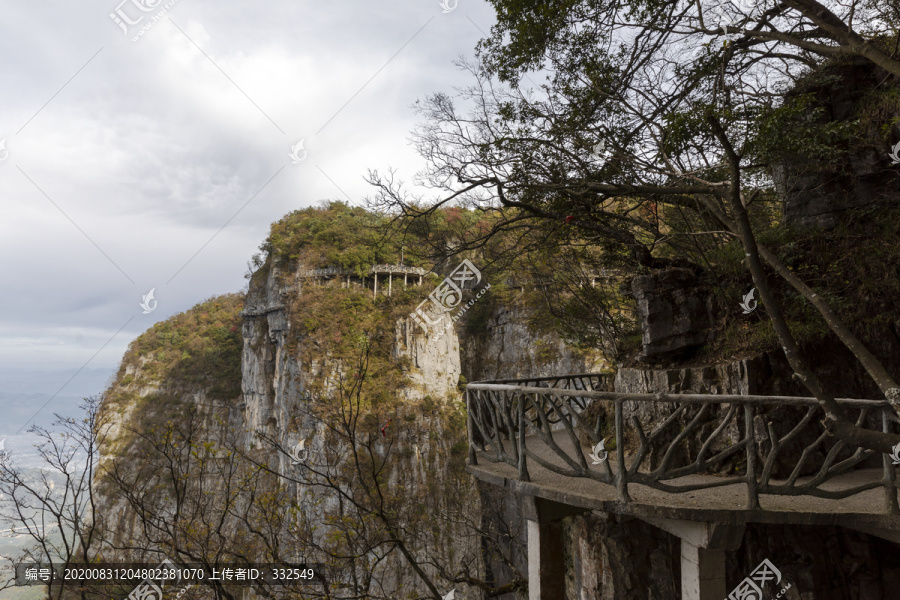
(546, 548)
(703, 547)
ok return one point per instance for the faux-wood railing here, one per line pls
(505, 415)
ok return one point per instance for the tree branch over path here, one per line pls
(650, 136)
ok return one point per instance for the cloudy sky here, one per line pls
(160, 160)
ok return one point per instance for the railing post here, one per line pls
(890, 487)
(752, 492)
(523, 467)
(621, 471)
(473, 456)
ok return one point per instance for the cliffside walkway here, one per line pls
(710, 465)
(349, 278)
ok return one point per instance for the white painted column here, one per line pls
(546, 561)
(703, 546)
(534, 560)
(375, 293)
(702, 573)
(390, 283)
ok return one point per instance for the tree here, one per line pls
(54, 504)
(175, 489)
(367, 494)
(375, 507)
(651, 140)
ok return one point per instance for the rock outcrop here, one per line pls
(675, 313)
(818, 193)
(507, 348)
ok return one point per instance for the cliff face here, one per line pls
(284, 371)
(254, 371)
(283, 366)
(819, 193)
(506, 347)
(275, 374)
(185, 368)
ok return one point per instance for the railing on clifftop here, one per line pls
(540, 420)
(374, 270)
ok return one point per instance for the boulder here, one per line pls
(675, 312)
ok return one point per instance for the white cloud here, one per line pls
(150, 149)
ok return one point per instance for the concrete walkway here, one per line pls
(724, 503)
(709, 522)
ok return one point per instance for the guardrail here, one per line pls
(506, 416)
(374, 270)
(397, 269)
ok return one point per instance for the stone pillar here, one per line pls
(390, 283)
(546, 561)
(375, 293)
(702, 573)
(546, 547)
(703, 546)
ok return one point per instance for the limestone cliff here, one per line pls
(247, 366)
(252, 371)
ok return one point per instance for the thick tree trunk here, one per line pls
(844, 35)
(836, 420)
(873, 366)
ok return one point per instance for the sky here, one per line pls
(149, 144)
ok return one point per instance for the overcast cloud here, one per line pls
(125, 159)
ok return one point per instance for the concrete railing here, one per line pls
(374, 270)
(391, 269)
(509, 419)
(326, 272)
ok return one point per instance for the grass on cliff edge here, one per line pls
(337, 235)
(197, 350)
(330, 325)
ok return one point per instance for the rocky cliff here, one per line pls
(255, 375)
(246, 378)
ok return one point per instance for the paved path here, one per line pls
(724, 504)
